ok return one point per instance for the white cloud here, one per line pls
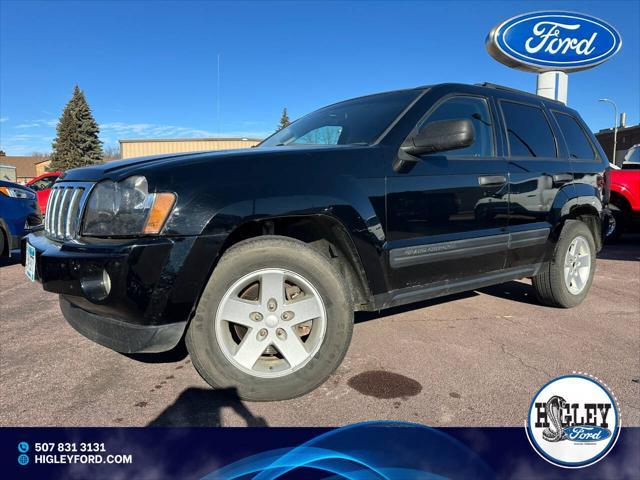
(152, 130)
(4, 119)
(110, 133)
(25, 144)
(24, 136)
(49, 122)
(41, 122)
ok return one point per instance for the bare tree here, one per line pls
(41, 155)
(111, 153)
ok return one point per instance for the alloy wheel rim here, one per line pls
(270, 323)
(577, 265)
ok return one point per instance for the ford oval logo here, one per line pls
(547, 41)
(586, 433)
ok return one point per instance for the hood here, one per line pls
(116, 170)
(4, 183)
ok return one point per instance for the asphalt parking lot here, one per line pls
(468, 360)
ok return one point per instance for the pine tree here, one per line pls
(284, 120)
(76, 143)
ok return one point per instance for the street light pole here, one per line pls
(615, 126)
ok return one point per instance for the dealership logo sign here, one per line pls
(573, 421)
(553, 41)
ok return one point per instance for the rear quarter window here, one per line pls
(578, 144)
(528, 131)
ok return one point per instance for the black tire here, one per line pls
(2, 242)
(619, 226)
(549, 284)
(250, 256)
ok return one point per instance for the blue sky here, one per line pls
(149, 68)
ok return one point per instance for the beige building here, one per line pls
(26, 167)
(144, 147)
(33, 166)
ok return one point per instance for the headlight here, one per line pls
(17, 193)
(126, 208)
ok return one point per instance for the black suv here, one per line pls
(260, 257)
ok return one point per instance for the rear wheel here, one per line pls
(274, 321)
(565, 281)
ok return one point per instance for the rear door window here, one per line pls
(528, 131)
(577, 142)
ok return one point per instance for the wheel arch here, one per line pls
(581, 202)
(324, 233)
(619, 200)
(340, 217)
(626, 191)
(5, 241)
(588, 214)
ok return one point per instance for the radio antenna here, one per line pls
(218, 96)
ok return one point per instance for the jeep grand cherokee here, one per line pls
(259, 257)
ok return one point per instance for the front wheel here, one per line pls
(274, 321)
(565, 281)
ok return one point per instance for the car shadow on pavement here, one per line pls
(366, 316)
(625, 248)
(8, 261)
(201, 407)
(178, 353)
(516, 291)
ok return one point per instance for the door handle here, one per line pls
(492, 180)
(562, 178)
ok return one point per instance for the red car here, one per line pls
(625, 195)
(42, 186)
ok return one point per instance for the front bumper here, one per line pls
(155, 284)
(122, 336)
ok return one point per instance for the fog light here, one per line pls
(97, 287)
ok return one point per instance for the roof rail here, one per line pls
(514, 90)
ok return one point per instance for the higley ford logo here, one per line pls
(573, 421)
(548, 41)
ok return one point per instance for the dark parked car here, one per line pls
(19, 215)
(260, 257)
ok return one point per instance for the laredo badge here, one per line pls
(573, 421)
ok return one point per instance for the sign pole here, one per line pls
(553, 85)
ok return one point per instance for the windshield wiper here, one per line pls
(319, 144)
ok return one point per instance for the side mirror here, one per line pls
(441, 136)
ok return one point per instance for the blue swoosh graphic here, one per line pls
(366, 451)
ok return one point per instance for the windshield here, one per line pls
(359, 121)
(43, 183)
(633, 155)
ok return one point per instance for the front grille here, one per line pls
(64, 210)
